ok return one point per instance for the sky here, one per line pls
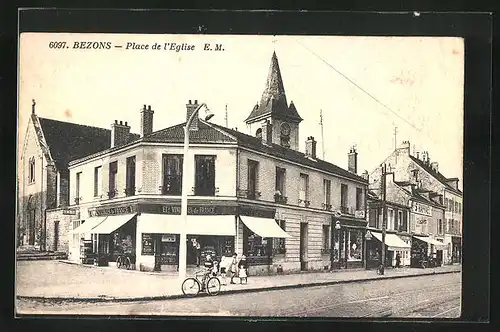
(364, 86)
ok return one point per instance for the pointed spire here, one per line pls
(33, 106)
(273, 100)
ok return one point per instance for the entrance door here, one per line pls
(303, 246)
(31, 227)
(56, 234)
(439, 257)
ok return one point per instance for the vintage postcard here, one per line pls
(239, 175)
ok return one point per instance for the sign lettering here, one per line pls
(112, 210)
(70, 212)
(421, 209)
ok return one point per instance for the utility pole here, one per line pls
(384, 217)
(226, 118)
(322, 136)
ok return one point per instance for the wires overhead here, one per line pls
(363, 90)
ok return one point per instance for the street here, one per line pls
(434, 296)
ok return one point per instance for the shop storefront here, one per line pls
(456, 249)
(393, 245)
(427, 250)
(348, 243)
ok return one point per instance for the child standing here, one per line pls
(232, 267)
(242, 269)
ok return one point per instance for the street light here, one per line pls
(368, 237)
(183, 233)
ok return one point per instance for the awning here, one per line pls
(223, 225)
(112, 223)
(439, 245)
(392, 241)
(88, 225)
(264, 227)
(159, 223)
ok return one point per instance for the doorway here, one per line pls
(303, 246)
(56, 234)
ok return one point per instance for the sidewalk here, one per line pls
(59, 281)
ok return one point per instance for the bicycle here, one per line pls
(192, 286)
(123, 262)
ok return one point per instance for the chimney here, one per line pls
(366, 176)
(406, 146)
(267, 132)
(352, 161)
(418, 155)
(146, 121)
(191, 107)
(311, 147)
(435, 166)
(119, 133)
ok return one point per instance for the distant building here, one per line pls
(434, 202)
(43, 179)
(255, 195)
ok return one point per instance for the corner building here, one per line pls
(258, 195)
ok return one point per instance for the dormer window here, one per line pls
(31, 170)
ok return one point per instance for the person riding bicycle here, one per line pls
(209, 268)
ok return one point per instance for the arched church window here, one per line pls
(258, 133)
(31, 171)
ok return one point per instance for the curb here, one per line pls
(228, 292)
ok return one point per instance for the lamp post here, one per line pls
(184, 193)
(368, 237)
(337, 228)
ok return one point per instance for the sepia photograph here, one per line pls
(239, 175)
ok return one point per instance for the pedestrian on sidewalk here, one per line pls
(242, 270)
(232, 268)
(398, 260)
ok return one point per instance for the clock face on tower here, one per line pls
(285, 129)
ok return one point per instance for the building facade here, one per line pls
(432, 199)
(286, 210)
(43, 178)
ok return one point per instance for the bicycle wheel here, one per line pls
(119, 262)
(213, 286)
(190, 287)
(128, 263)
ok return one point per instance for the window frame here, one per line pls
(98, 181)
(172, 184)
(359, 199)
(201, 185)
(130, 175)
(327, 193)
(112, 174)
(31, 170)
(344, 197)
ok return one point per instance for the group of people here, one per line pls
(233, 267)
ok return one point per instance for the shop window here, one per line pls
(257, 249)
(326, 239)
(359, 199)
(31, 170)
(172, 174)
(205, 175)
(354, 245)
(304, 189)
(253, 167)
(130, 176)
(97, 181)
(279, 243)
(113, 169)
(343, 198)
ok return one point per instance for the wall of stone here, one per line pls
(65, 226)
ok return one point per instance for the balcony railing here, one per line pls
(325, 251)
(327, 207)
(280, 199)
(250, 194)
(130, 191)
(78, 200)
(304, 202)
(112, 193)
(344, 209)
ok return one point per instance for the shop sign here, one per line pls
(359, 214)
(147, 244)
(192, 209)
(70, 212)
(421, 209)
(168, 238)
(106, 211)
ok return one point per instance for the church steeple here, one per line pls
(273, 101)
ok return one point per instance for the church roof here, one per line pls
(273, 100)
(68, 141)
